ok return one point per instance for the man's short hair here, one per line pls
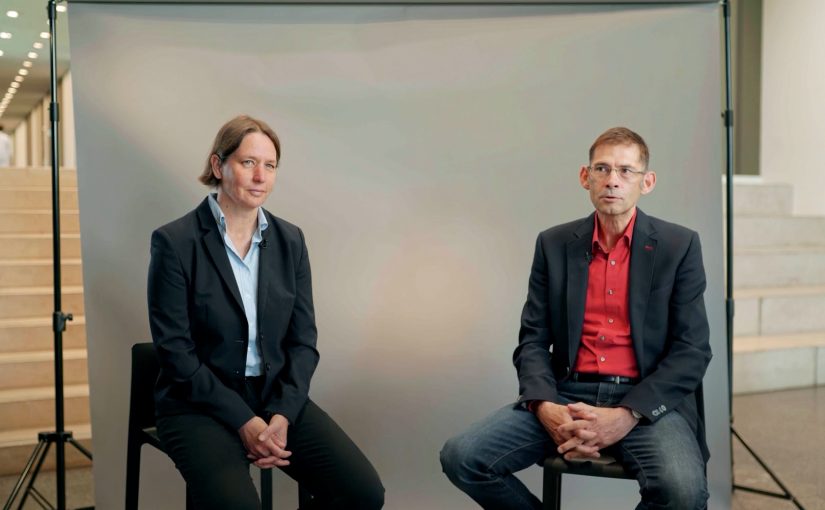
(622, 136)
(229, 138)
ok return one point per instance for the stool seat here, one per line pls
(605, 466)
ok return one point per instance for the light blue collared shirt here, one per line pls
(246, 276)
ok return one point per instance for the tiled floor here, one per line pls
(786, 428)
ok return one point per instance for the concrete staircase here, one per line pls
(27, 404)
(779, 279)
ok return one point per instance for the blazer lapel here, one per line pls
(269, 265)
(642, 258)
(217, 251)
(578, 263)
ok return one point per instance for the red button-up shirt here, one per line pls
(606, 345)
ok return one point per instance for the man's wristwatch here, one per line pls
(636, 414)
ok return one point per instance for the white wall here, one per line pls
(67, 138)
(21, 141)
(793, 99)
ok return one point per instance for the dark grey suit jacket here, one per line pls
(200, 330)
(668, 323)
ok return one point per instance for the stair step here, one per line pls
(18, 245)
(782, 310)
(36, 197)
(757, 343)
(778, 362)
(35, 333)
(39, 272)
(779, 310)
(17, 445)
(36, 368)
(24, 408)
(762, 199)
(37, 221)
(42, 176)
(753, 231)
(18, 302)
(785, 266)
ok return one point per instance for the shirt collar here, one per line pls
(220, 218)
(628, 231)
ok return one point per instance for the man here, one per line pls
(5, 148)
(612, 349)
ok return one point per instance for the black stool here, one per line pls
(145, 370)
(605, 467)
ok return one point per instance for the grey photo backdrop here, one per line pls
(424, 148)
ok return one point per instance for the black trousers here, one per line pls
(325, 461)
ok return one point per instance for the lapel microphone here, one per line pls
(263, 244)
(588, 256)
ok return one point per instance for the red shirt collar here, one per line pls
(627, 234)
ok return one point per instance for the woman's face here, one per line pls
(248, 174)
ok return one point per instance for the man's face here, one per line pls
(614, 195)
(248, 174)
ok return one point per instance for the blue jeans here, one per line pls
(664, 456)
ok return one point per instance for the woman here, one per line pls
(230, 308)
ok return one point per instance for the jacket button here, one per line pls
(268, 367)
(237, 372)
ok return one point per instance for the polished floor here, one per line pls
(786, 428)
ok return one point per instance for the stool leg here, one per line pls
(132, 472)
(552, 490)
(266, 489)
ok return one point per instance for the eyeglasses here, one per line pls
(602, 172)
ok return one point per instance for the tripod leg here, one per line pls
(36, 471)
(29, 463)
(82, 449)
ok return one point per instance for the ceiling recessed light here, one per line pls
(12, 14)
(15, 85)
(32, 54)
(26, 63)
(37, 45)
(61, 8)
(5, 35)
(12, 91)
(18, 78)
(44, 35)
(1, 53)
(23, 72)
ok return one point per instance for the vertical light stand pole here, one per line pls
(59, 436)
(729, 301)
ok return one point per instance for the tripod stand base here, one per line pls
(29, 474)
(785, 494)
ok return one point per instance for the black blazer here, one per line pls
(200, 330)
(668, 323)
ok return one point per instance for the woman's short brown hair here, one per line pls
(229, 138)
